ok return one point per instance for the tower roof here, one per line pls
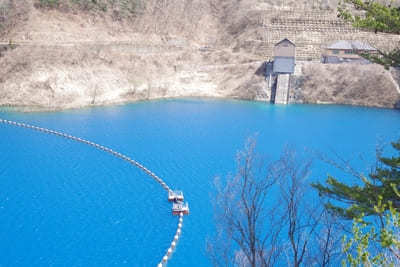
(285, 40)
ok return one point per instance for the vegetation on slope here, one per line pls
(375, 16)
(378, 17)
(119, 8)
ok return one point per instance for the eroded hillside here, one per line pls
(64, 55)
(347, 84)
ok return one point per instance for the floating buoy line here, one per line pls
(178, 207)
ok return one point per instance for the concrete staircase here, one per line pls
(282, 89)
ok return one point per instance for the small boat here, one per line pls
(175, 196)
(179, 207)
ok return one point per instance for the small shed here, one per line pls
(284, 57)
(346, 51)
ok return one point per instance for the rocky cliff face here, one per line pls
(363, 85)
(69, 57)
(51, 78)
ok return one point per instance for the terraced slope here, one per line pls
(311, 31)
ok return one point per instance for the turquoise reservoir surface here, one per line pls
(63, 203)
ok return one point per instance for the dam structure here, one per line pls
(182, 208)
(279, 71)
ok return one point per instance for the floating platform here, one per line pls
(180, 207)
(175, 196)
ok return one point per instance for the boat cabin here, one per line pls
(180, 207)
(175, 196)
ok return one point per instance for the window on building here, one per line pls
(348, 52)
(335, 52)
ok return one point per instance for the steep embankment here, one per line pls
(75, 58)
(364, 85)
(81, 76)
(76, 55)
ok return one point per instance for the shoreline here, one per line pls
(54, 60)
(37, 109)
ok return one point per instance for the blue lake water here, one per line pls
(64, 203)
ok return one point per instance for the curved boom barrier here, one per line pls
(172, 247)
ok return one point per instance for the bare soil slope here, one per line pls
(69, 56)
(365, 85)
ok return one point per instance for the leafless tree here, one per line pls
(313, 234)
(302, 218)
(328, 242)
(264, 212)
(247, 230)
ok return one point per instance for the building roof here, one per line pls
(284, 65)
(362, 46)
(350, 45)
(285, 40)
(332, 60)
(338, 60)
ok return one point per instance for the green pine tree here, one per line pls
(354, 201)
(371, 15)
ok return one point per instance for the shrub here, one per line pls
(49, 3)
(119, 8)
